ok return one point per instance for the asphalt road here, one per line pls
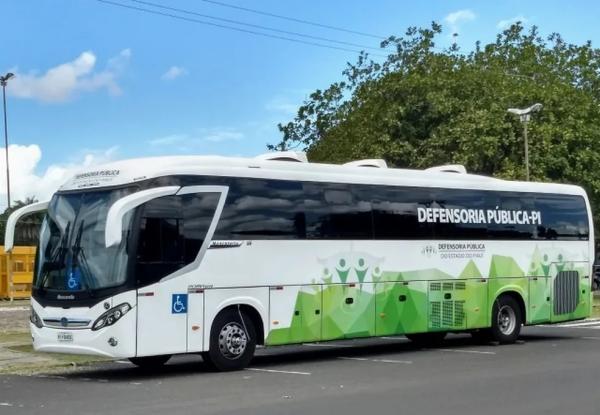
(553, 370)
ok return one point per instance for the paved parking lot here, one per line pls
(553, 370)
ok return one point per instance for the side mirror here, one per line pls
(11, 223)
(114, 219)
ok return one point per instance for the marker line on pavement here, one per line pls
(583, 324)
(123, 362)
(289, 372)
(6, 404)
(463, 351)
(362, 359)
(591, 338)
(586, 322)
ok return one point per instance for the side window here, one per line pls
(460, 214)
(513, 216)
(562, 217)
(395, 212)
(262, 209)
(172, 230)
(198, 213)
(337, 211)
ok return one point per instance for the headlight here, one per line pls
(111, 316)
(35, 319)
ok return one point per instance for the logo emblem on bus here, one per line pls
(64, 322)
(429, 251)
(179, 303)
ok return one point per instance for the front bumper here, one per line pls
(116, 341)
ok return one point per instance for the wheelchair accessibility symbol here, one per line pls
(179, 304)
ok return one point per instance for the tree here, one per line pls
(424, 106)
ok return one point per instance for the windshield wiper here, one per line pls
(80, 261)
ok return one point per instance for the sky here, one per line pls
(97, 82)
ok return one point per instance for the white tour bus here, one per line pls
(147, 258)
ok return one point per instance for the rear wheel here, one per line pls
(427, 339)
(232, 341)
(150, 362)
(506, 320)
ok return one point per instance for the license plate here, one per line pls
(64, 337)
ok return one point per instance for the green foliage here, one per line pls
(425, 106)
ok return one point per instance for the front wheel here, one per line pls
(506, 320)
(232, 341)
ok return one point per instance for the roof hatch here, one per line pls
(379, 163)
(297, 156)
(449, 168)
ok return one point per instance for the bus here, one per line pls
(147, 258)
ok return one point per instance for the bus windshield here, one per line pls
(72, 255)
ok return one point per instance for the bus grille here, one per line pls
(566, 292)
(435, 313)
(446, 314)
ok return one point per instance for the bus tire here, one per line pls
(150, 362)
(232, 341)
(506, 320)
(427, 339)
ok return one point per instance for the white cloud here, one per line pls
(189, 142)
(221, 136)
(174, 72)
(26, 181)
(506, 23)
(62, 82)
(287, 102)
(283, 106)
(457, 18)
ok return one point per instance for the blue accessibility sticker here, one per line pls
(179, 303)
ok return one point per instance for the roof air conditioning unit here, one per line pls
(297, 156)
(449, 168)
(379, 163)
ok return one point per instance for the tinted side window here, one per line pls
(160, 243)
(172, 230)
(562, 217)
(517, 222)
(460, 216)
(395, 212)
(198, 212)
(262, 209)
(337, 211)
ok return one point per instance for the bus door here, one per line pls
(174, 234)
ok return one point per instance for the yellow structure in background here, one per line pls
(16, 272)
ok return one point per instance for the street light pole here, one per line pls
(3, 80)
(526, 150)
(524, 116)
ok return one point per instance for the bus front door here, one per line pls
(174, 237)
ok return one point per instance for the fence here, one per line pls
(16, 272)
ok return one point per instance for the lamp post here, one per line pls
(525, 116)
(3, 80)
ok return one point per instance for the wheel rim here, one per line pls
(232, 341)
(507, 320)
